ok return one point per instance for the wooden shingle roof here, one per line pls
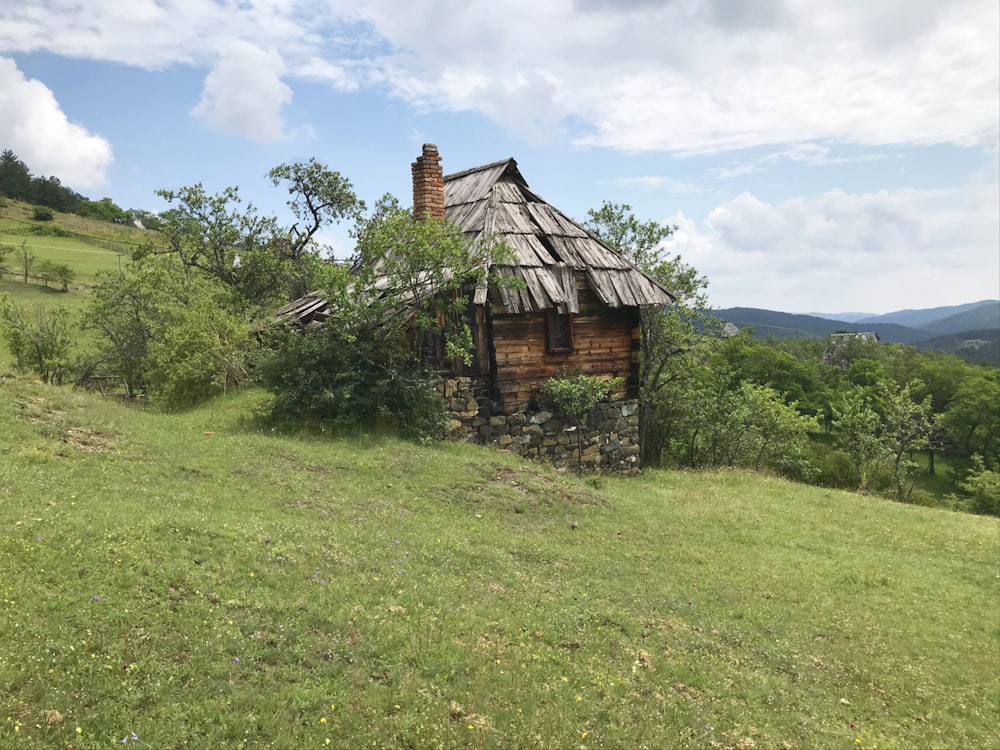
(493, 201)
(549, 248)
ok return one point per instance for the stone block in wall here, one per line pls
(541, 418)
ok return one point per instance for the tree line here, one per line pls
(192, 315)
(18, 183)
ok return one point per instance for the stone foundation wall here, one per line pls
(609, 435)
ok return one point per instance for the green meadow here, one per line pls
(200, 580)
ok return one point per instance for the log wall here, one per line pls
(605, 343)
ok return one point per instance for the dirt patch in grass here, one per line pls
(87, 441)
(524, 487)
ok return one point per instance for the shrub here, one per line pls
(39, 339)
(42, 213)
(327, 375)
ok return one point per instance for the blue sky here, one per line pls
(815, 156)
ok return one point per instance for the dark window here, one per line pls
(559, 332)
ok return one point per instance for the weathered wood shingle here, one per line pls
(494, 201)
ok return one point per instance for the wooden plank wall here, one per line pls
(602, 346)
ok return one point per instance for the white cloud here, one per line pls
(686, 76)
(33, 126)
(807, 154)
(698, 77)
(842, 251)
(654, 182)
(244, 93)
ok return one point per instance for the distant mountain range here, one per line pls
(972, 330)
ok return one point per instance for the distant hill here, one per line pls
(787, 325)
(847, 317)
(923, 318)
(984, 316)
(973, 333)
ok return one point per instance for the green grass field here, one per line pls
(86, 258)
(67, 239)
(203, 582)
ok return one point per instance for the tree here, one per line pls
(167, 333)
(906, 428)
(983, 484)
(64, 275)
(669, 336)
(220, 236)
(318, 197)
(574, 395)
(263, 264)
(409, 288)
(47, 271)
(50, 192)
(15, 179)
(103, 210)
(27, 259)
(202, 348)
(39, 339)
(972, 418)
(859, 426)
(122, 313)
(5, 250)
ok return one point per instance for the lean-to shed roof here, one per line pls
(494, 201)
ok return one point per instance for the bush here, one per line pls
(41, 213)
(984, 487)
(326, 375)
(573, 394)
(39, 339)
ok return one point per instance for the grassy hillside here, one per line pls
(203, 583)
(87, 246)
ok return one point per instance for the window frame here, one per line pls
(558, 326)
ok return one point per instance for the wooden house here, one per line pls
(577, 301)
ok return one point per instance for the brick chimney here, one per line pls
(428, 184)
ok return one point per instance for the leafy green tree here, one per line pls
(410, 285)
(103, 210)
(167, 333)
(670, 337)
(318, 197)
(972, 418)
(39, 339)
(906, 428)
(220, 236)
(46, 271)
(574, 395)
(64, 275)
(983, 485)
(50, 192)
(202, 348)
(859, 426)
(263, 264)
(123, 314)
(5, 251)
